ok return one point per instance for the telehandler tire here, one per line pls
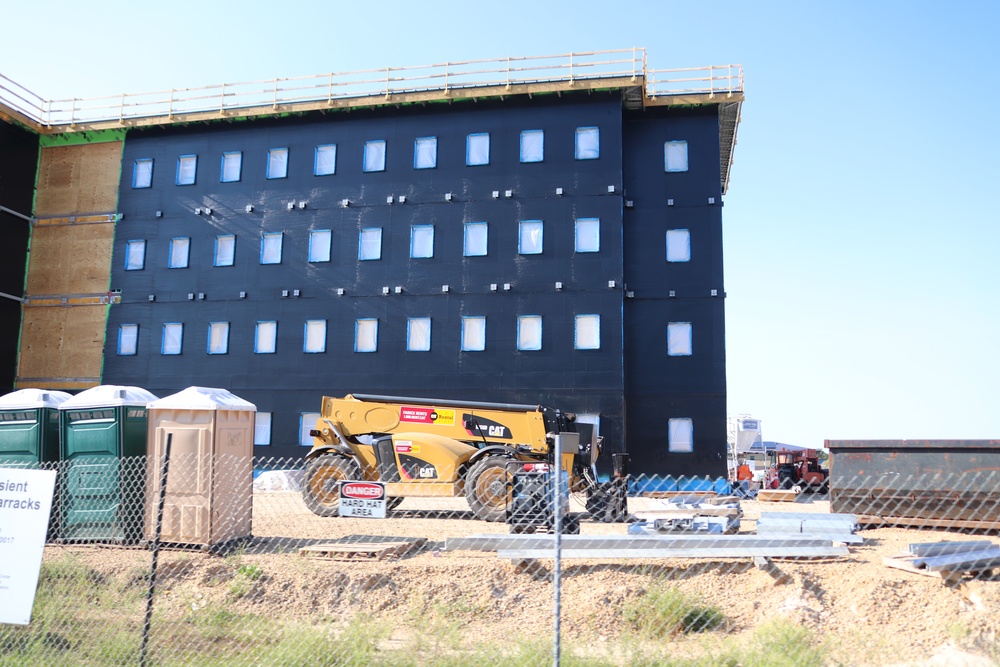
(320, 490)
(487, 488)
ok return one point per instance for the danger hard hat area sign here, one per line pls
(362, 499)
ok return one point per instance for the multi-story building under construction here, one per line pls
(533, 230)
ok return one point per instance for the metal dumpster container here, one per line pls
(947, 483)
(209, 490)
(103, 451)
(29, 427)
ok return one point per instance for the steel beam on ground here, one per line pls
(970, 560)
(847, 518)
(574, 542)
(703, 552)
(828, 534)
(942, 548)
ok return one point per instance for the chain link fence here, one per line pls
(226, 564)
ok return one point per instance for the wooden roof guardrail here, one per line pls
(292, 93)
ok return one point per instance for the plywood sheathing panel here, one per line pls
(78, 179)
(70, 259)
(62, 342)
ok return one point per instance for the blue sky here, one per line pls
(861, 240)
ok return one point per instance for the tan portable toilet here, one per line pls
(209, 492)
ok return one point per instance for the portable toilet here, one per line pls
(103, 450)
(29, 427)
(208, 500)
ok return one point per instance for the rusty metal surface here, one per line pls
(899, 445)
(930, 481)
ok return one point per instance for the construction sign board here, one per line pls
(362, 499)
(25, 504)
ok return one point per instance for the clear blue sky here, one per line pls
(862, 242)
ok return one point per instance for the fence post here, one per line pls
(557, 567)
(148, 621)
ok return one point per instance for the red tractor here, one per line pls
(800, 468)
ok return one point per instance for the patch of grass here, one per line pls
(958, 631)
(250, 571)
(81, 615)
(780, 644)
(666, 611)
(246, 576)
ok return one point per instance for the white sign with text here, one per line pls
(25, 504)
(362, 499)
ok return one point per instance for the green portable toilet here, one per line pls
(29, 427)
(103, 451)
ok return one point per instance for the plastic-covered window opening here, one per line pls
(218, 338)
(320, 242)
(277, 163)
(680, 435)
(675, 156)
(529, 237)
(135, 255)
(418, 334)
(477, 149)
(679, 339)
(325, 163)
(179, 253)
(187, 169)
(262, 428)
(473, 333)
(307, 422)
(425, 152)
(173, 338)
(588, 143)
(421, 241)
(314, 336)
(366, 335)
(370, 243)
(225, 250)
(588, 235)
(529, 332)
(128, 339)
(232, 164)
(678, 245)
(532, 145)
(265, 339)
(142, 173)
(374, 155)
(476, 239)
(270, 248)
(587, 332)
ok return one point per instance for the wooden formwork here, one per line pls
(69, 266)
(78, 179)
(62, 343)
(70, 259)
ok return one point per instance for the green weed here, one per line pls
(666, 611)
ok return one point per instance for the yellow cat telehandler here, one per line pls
(438, 448)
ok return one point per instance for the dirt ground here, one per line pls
(867, 613)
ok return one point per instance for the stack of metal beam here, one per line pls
(834, 527)
(975, 556)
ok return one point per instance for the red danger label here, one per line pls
(406, 449)
(365, 490)
(414, 414)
